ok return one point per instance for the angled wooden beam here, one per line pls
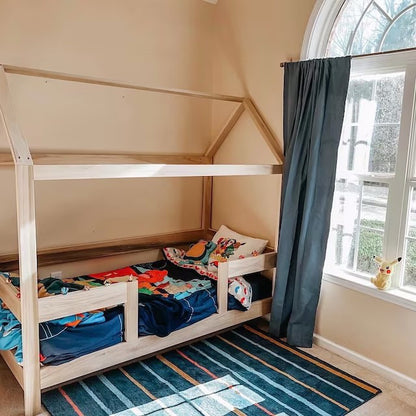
(264, 129)
(33, 72)
(9, 127)
(6, 159)
(216, 144)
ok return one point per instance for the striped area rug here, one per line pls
(240, 372)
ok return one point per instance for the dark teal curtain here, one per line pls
(314, 102)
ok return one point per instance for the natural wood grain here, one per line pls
(11, 69)
(6, 159)
(251, 264)
(222, 288)
(66, 172)
(131, 314)
(264, 129)
(54, 307)
(206, 202)
(231, 122)
(9, 295)
(80, 252)
(148, 345)
(25, 196)
(9, 127)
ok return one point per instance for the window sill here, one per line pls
(396, 296)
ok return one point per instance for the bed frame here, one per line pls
(47, 167)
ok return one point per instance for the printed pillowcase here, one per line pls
(231, 245)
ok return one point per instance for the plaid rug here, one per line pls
(243, 372)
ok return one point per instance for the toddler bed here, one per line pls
(173, 294)
(33, 311)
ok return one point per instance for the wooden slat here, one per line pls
(54, 307)
(8, 294)
(25, 196)
(6, 159)
(111, 83)
(131, 313)
(81, 252)
(115, 355)
(206, 202)
(9, 126)
(216, 144)
(222, 288)
(252, 264)
(56, 172)
(16, 369)
(264, 129)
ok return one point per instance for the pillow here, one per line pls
(200, 252)
(232, 245)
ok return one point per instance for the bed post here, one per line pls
(28, 288)
(26, 226)
(131, 313)
(222, 287)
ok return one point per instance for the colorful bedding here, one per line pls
(170, 298)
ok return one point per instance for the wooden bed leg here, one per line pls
(222, 287)
(28, 287)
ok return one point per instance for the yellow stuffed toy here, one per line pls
(382, 281)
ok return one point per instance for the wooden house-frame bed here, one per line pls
(31, 311)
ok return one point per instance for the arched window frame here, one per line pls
(315, 45)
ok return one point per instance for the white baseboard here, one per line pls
(367, 363)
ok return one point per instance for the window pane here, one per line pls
(410, 251)
(371, 124)
(370, 31)
(366, 26)
(349, 17)
(402, 33)
(372, 219)
(357, 225)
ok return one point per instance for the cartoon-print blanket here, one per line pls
(237, 286)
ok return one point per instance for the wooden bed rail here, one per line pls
(240, 267)
(58, 306)
(9, 295)
(80, 252)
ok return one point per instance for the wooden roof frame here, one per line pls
(29, 169)
(58, 166)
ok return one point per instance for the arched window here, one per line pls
(374, 209)
(368, 26)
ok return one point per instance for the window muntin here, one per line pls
(368, 26)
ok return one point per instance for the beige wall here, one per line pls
(251, 39)
(379, 330)
(166, 43)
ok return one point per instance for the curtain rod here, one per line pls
(282, 64)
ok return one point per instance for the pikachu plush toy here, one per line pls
(382, 281)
